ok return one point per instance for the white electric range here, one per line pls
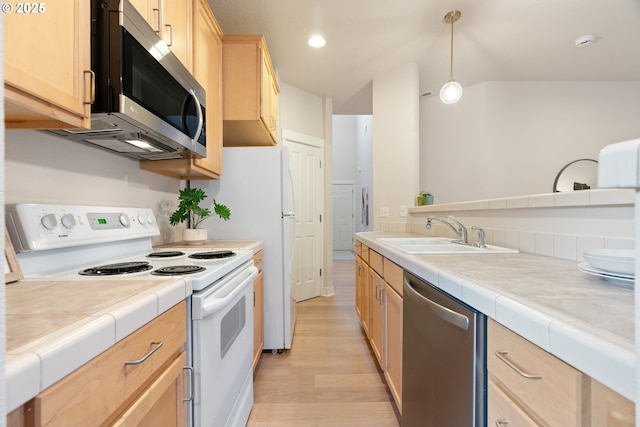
(85, 242)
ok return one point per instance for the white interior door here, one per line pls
(307, 154)
(343, 217)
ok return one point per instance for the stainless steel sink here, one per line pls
(439, 245)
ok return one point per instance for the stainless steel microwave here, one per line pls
(147, 104)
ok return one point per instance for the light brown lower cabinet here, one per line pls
(529, 386)
(258, 310)
(379, 307)
(118, 386)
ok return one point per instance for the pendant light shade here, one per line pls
(451, 92)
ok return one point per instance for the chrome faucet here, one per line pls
(452, 223)
(480, 231)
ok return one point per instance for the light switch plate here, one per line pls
(403, 211)
(384, 212)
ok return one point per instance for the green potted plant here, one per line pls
(189, 209)
(424, 198)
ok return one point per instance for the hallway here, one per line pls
(329, 377)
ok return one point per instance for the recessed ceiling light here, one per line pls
(316, 41)
(586, 40)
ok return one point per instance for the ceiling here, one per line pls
(494, 40)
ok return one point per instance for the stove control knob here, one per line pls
(49, 221)
(141, 220)
(68, 221)
(124, 220)
(150, 219)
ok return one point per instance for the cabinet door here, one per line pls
(151, 11)
(269, 98)
(366, 299)
(376, 289)
(393, 343)
(207, 69)
(360, 272)
(47, 66)
(258, 318)
(176, 29)
(162, 402)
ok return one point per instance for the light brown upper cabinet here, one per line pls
(250, 92)
(47, 65)
(171, 20)
(206, 39)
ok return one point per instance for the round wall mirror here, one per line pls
(581, 174)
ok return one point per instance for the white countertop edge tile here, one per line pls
(480, 298)
(608, 362)
(74, 349)
(22, 378)
(450, 283)
(524, 321)
(134, 315)
(171, 294)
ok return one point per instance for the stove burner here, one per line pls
(212, 255)
(175, 270)
(118, 268)
(165, 254)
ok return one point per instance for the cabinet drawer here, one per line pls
(503, 412)
(551, 389)
(393, 275)
(375, 261)
(258, 260)
(364, 252)
(97, 390)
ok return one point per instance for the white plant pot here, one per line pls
(196, 236)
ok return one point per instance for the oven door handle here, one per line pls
(213, 304)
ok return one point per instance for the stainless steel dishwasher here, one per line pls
(444, 359)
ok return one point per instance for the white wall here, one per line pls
(301, 112)
(395, 144)
(508, 139)
(44, 168)
(344, 148)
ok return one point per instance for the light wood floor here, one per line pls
(329, 377)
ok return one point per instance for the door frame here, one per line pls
(292, 137)
(352, 183)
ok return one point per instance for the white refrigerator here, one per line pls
(257, 186)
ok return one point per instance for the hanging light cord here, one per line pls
(451, 56)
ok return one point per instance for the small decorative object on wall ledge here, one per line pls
(189, 210)
(424, 198)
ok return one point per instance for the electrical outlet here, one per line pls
(384, 212)
(403, 211)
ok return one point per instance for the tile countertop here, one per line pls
(254, 245)
(54, 326)
(580, 319)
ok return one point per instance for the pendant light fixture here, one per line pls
(451, 92)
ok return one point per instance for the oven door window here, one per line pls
(231, 326)
(148, 83)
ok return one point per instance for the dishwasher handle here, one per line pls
(444, 313)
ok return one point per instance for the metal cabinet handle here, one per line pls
(502, 422)
(92, 87)
(190, 383)
(155, 10)
(501, 355)
(146, 356)
(170, 27)
(378, 292)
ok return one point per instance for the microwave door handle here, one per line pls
(200, 118)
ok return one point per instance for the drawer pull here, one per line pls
(503, 422)
(146, 356)
(190, 383)
(501, 355)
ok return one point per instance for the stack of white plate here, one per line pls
(614, 265)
